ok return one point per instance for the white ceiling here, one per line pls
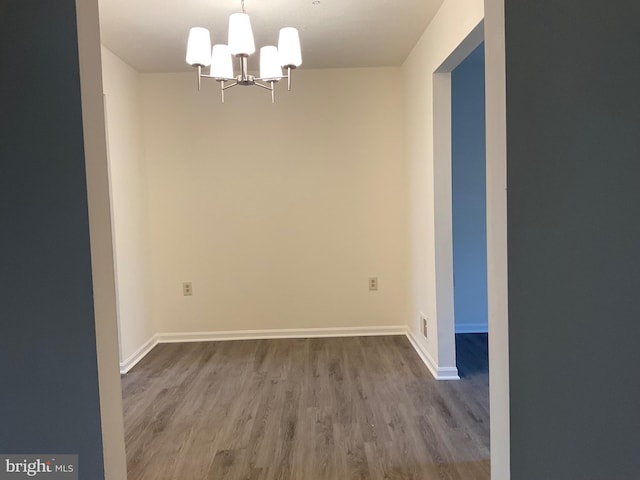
(151, 35)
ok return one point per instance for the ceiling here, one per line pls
(151, 35)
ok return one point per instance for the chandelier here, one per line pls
(273, 59)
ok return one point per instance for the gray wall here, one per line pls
(48, 375)
(468, 186)
(573, 155)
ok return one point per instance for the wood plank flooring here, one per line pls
(306, 409)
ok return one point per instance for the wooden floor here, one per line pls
(306, 409)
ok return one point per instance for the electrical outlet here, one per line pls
(187, 289)
(424, 325)
(373, 283)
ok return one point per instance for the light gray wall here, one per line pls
(48, 374)
(573, 166)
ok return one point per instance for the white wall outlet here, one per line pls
(187, 289)
(373, 283)
(424, 325)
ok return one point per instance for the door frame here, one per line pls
(491, 30)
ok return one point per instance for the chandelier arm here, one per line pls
(270, 88)
(226, 87)
(266, 87)
(218, 79)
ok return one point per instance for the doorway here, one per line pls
(468, 179)
(443, 197)
(496, 220)
(500, 189)
(469, 226)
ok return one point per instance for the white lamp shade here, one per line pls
(289, 47)
(199, 47)
(270, 63)
(221, 66)
(240, 34)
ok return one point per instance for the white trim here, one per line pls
(439, 373)
(138, 355)
(100, 237)
(178, 337)
(497, 251)
(472, 328)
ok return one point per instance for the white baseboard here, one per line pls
(472, 328)
(138, 355)
(439, 373)
(280, 333)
